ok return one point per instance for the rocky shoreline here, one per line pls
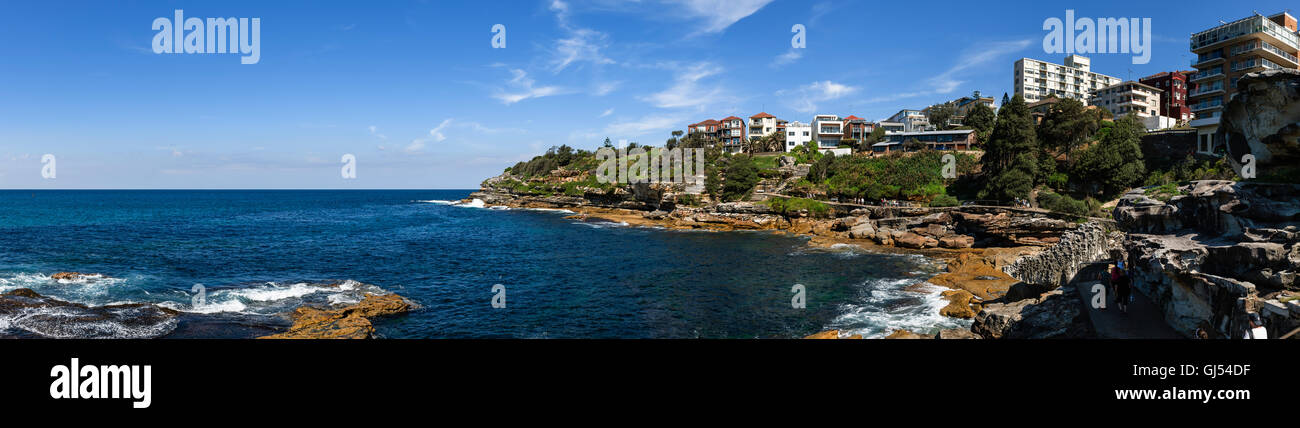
(979, 245)
(43, 316)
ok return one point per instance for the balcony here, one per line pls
(1208, 59)
(1216, 73)
(1256, 26)
(1209, 121)
(1207, 90)
(1208, 105)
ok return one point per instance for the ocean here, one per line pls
(254, 255)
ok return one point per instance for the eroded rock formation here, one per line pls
(1216, 252)
(1263, 119)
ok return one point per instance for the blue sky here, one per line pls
(416, 92)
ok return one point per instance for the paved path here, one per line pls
(1143, 320)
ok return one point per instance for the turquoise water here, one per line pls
(258, 254)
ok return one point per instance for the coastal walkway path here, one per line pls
(1143, 320)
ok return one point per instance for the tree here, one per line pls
(940, 114)
(981, 118)
(817, 172)
(741, 176)
(1115, 162)
(877, 135)
(1010, 163)
(911, 145)
(1067, 124)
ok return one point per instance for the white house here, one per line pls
(828, 129)
(796, 134)
(761, 125)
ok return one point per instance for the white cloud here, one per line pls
(647, 125)
(808, 96)
(435, 134)
(606, 113)
(789, 56)
(524, 89)
(720, 14)
(687, 91)
(950, 80)
(580, 45)
(374, 130)
(604, 88)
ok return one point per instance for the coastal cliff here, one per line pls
(1215, 253)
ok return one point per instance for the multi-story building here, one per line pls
(762, 125)
(708, 129)
(828, 130)
(912, 120)
(962, 106)
(1036, 80)
(1173, 93)
(1133, 99)
(856, 128)
(733, 134)
(797, 134)
(890, 126)
(961, 139)
(1225, 53)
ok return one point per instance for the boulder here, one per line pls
(904, 334)
(914, 241)
(957, 241)
(862, 230)
(959, 304)
(1263, 119)
(1058, 314)
(831, 334)
(348, 322)
(956, 333)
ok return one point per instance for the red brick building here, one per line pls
(1174, 87)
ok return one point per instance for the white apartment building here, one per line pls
(1133, 98)
(1036, 80)
(797, 134)
(912, 120)
(828, 130)
(761, 125)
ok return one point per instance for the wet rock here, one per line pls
(914, 241)
(348, 322)
(904, 334)
(26, 310)
(76, 276)
(831, 334)
(959, 304)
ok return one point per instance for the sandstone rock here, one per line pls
(912, 240)
(1263, 119)
(957, 241)
(1058, 314)
(956, 333)
(349, 322)
(959, 304)
(76, 276)
(831, 334)
(904, 334)
(1058, 265)
(863, 230)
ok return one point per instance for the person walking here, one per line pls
(1123, 288)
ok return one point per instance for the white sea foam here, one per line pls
(886, 305)
(439, 202)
